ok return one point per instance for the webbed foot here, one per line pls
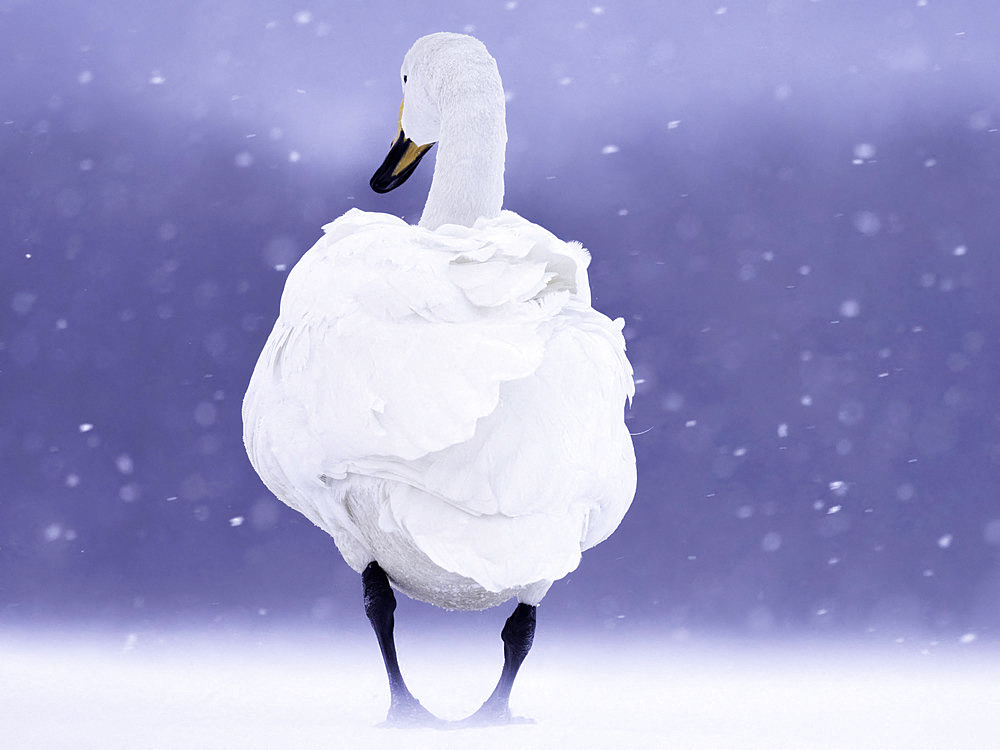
(494, 713)
(411, 713)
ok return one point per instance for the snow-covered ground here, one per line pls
(288, 690)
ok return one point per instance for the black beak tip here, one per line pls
(386, 177)
(380, 184)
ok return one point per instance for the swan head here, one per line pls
(441, 72)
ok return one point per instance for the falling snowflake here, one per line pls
(867, 222)
(850, 308)
(864, 151)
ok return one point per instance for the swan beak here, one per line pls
(399, 164)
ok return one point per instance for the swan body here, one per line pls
(448, 403)
(442, 398)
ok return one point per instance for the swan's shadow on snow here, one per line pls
(449, 725)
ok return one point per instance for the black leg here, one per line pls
(380, 603)
(517, 635)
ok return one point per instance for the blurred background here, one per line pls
(793, 204)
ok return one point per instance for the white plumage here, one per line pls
(443, 399)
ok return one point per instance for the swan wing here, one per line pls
(464, 363)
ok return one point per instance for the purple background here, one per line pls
(794, 204)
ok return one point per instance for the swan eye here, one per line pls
(404, 79)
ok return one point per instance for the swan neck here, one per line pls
(468, 172)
